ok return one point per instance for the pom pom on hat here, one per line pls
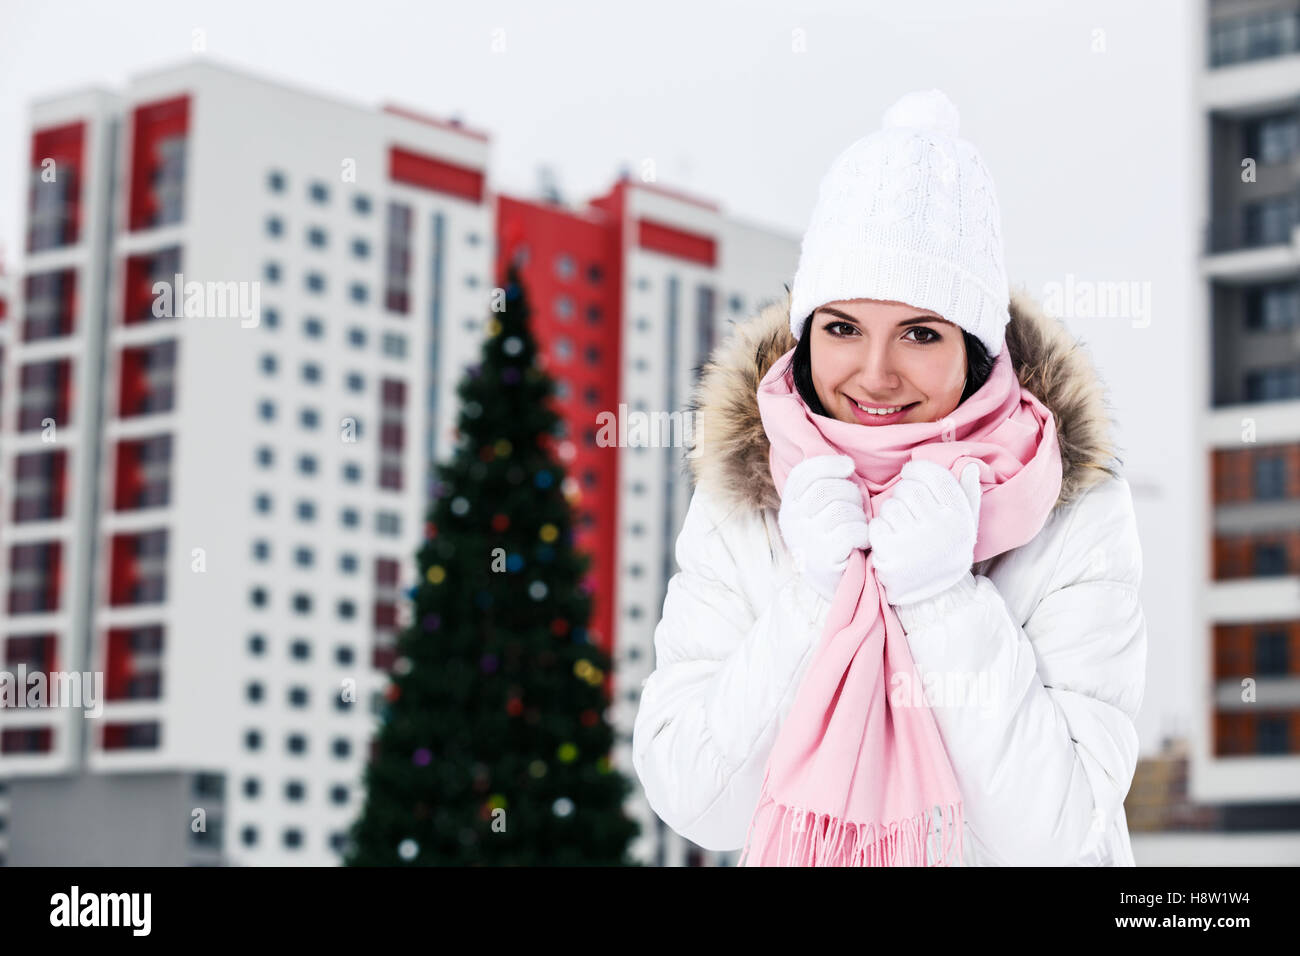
(924, 109)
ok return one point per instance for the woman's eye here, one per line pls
(930, 334)
(832, 326)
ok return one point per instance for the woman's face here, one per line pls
(882, 355)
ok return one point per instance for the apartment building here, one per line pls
(1245, 749)
(242, 307)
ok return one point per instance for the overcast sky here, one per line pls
(1083, 113)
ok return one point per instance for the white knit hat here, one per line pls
(908, 214)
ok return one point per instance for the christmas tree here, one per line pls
(494, 747)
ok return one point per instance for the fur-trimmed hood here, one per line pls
(729, 453)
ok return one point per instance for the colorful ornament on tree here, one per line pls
(436, 574)
(548, 532)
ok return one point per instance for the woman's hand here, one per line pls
(924, 537)
(822, 520)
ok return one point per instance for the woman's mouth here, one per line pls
(880, 414)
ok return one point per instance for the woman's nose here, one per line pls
(877, 377)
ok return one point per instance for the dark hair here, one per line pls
(979, 364)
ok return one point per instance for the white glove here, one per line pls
(822, 520)
(923, 539)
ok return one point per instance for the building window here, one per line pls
(253, 740)
(303, 557)
(1269, 221)
(397, 263)
(269, 364)
(143, 735)
(44, 394)
(134, 663)
(1272, 657)
(275, 181)
(349, 517)
(139, 566)
(392, 433)
(254, 692)
(358, 292)
(394, 345)
(39, 485)
(348, 563)
(54, 205)
(35, 572)
(316, 237)
(361, 204)
(1273, 308)
(306, 511)
(143, 473)
(315, 282)
(360, 248)
(262, 503)
(265, 456)
(307, 464)
(297, 696)
(311, 373)
(271, 271)
(1273, 384)
(595, 274)
(313, 328)
(346, 610)
(256, 645)
(351, 472)
(319, 192)
(271, 318)
(274, 226)
(147, 379)
(1270, 476)
(266, 410)
(1269, 558)
(300, 650)
(302, 603)
(157, 185)
(387, 523)
(356, 382)
(50, 304)
(357, 337)
(309, 418)
(261, 550)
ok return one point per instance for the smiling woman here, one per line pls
(977, 525)
(859, 360)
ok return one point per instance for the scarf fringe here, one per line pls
(820, 839)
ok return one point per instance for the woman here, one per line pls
(906, 629)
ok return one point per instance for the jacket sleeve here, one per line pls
(725, 676)
(1045, 748)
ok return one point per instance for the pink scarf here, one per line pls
(853, 780)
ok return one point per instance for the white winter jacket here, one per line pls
(1056, 626)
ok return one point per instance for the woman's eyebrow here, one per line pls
(912, 321)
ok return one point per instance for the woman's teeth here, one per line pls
(880, 411)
